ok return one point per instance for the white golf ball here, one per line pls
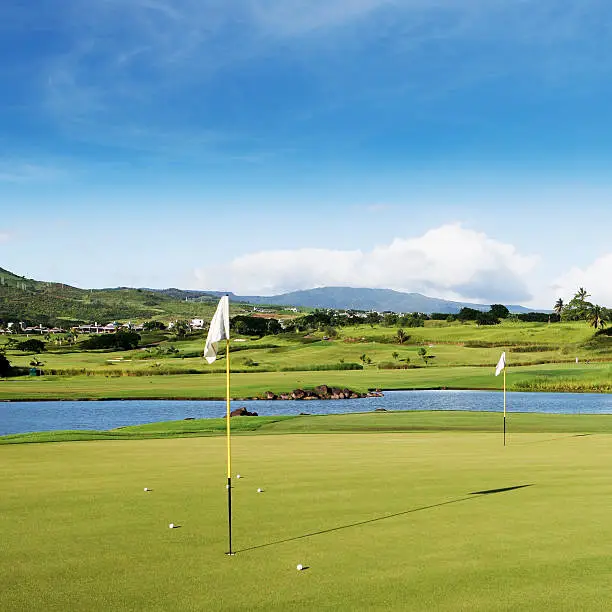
(299, 567)
(146, 488)
(260, 490)
(237, 475)
(171, 525)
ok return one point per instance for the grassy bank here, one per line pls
(432, 421)
(559, 377)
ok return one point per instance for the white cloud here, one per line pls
(450, 261)
(595, 278)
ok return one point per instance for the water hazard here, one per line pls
(22, 417)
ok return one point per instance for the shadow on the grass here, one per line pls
(474, 495)
(491, 491)
(565, 437)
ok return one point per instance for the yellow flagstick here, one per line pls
(501, 365)
(504, 405)
(229, 447)
(227, 395)
(218, 329)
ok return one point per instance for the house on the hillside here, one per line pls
(97, 329)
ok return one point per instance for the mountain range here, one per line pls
(341, 298)
(39, 301)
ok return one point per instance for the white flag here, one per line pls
(501, 364)
(218, 330)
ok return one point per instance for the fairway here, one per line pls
(380, 520)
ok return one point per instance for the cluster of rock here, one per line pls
(242, 412)
(322, 392)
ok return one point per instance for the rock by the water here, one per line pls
(242, 412)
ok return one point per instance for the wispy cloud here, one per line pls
(149, 74)
(25, 172)
(195, 38)
(298, 17)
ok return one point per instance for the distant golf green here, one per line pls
(541, 357)
(444, 519)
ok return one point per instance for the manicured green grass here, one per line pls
(386, 521)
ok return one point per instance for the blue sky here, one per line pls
(458, 149)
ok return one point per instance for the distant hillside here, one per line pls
(34, 302)
(188, 294)
(368, 299)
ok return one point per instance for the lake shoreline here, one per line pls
(30, 416)
(160, 398)
(367, 423)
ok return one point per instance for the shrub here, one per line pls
(153, 325)
(323, 367)
(122, 340)
(5, 366)
(392, 365)
(487, 318)
(31, 346)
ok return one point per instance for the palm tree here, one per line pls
(558, 307)
(581, 294)
(597, 318)
(401, 336)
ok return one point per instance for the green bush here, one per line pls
(322, 367)
(31, 346)
(121, 340)
(5, 366)
(393, 365)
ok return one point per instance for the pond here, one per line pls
(22, 417)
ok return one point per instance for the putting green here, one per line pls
(381, 521)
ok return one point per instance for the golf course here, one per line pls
(306, 306)
(388, 510)
(418, 511)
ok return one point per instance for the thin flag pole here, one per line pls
(504, 406)
(218, 330)
(229, 447)
(501, 365)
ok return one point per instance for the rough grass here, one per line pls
(391, 521)
(247, 385)
(457, 350)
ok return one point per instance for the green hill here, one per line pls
(31, 301)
